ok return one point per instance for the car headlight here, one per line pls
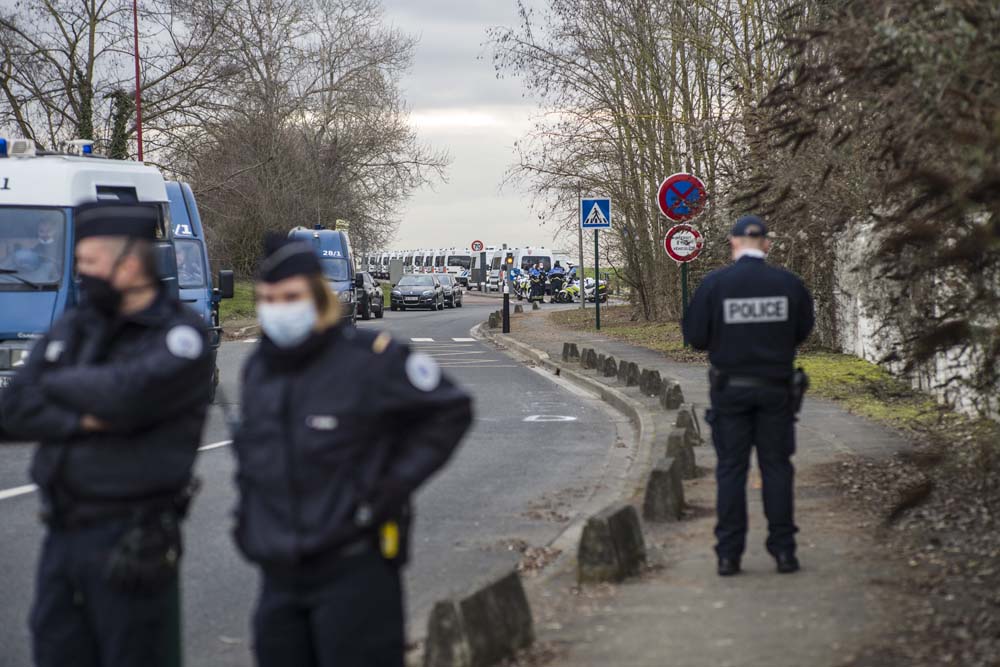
(19, 358)
(396, 292)
(346, 296)
(429, 292)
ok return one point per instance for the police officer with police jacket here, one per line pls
(339, 427)
(751, 317)
(117, 394)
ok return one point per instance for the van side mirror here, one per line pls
(359, 280)
(166, 267)
(227, 284)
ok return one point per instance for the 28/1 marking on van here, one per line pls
(5, 183)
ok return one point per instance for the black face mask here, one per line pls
(99, 294)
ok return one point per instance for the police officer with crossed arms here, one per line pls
(117, 394)
(751, 317)
(340, 427)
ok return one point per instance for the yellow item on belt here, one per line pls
(389, 539)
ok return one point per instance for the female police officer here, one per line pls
(340, 426)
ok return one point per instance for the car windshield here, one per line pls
(336, 269)
(190, 264)
(417, 281)
(32, 247)
(462, 261)
(445, 279)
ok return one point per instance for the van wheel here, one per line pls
(366, 314)
(380, 312)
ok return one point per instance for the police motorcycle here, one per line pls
(590, 290)
(522, 286)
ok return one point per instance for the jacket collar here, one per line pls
(292, 358)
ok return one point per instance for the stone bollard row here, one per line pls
(679, 447)
(671, 396)
(650, 383)
(664, 500)
(611, 546)
(482, 628)
(609, 368)
(687, 419)
(570, 352)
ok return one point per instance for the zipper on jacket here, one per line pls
(293, 491)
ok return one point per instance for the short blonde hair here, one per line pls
(328, 306)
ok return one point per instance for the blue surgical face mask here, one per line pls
(287, 324)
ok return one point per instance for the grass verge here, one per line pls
(241, 306)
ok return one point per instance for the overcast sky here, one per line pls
(459, 105)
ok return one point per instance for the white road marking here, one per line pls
(18, 491)
(422, 340)
(549, 418)
(464, 340)
(31, 488)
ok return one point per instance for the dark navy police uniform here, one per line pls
(148, 376)
(750, 317)
(337, 432)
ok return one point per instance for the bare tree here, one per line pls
(312, 126)
(634, 90)
(66, 68)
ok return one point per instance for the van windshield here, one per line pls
(32, 247)
(336, 269)
(462, 261)
(190, 264)
(530, 260)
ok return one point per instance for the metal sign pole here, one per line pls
(597, 284)
(579, 270)
(684, 296)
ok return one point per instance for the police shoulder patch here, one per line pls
(185, 342)
(423, 372)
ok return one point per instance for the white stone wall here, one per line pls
(858, 294)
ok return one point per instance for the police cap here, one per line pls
(134, 221)
(284, 258)
(749, 225)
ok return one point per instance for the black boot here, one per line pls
(787, 562)
(728, 566)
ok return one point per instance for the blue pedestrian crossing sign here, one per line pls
(595, 213)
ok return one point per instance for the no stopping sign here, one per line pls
(683, 243)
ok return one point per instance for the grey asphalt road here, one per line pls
(512, 480)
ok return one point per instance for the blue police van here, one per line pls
(39, 191)
(334, 250)
(194, 276)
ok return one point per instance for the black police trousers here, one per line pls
(352, 616)
(79, 619)
(743, 418)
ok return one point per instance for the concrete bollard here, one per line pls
(611, 546)
(679, 447)
(632, 375)
(599, 366)
(481, 629)
(570, 352)
(588, 358)
(535, 306)
(493, 322)
(671, 396)
(687, 419)
(664, 499)
(610, 368)
(650, 383)
(518, 308)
